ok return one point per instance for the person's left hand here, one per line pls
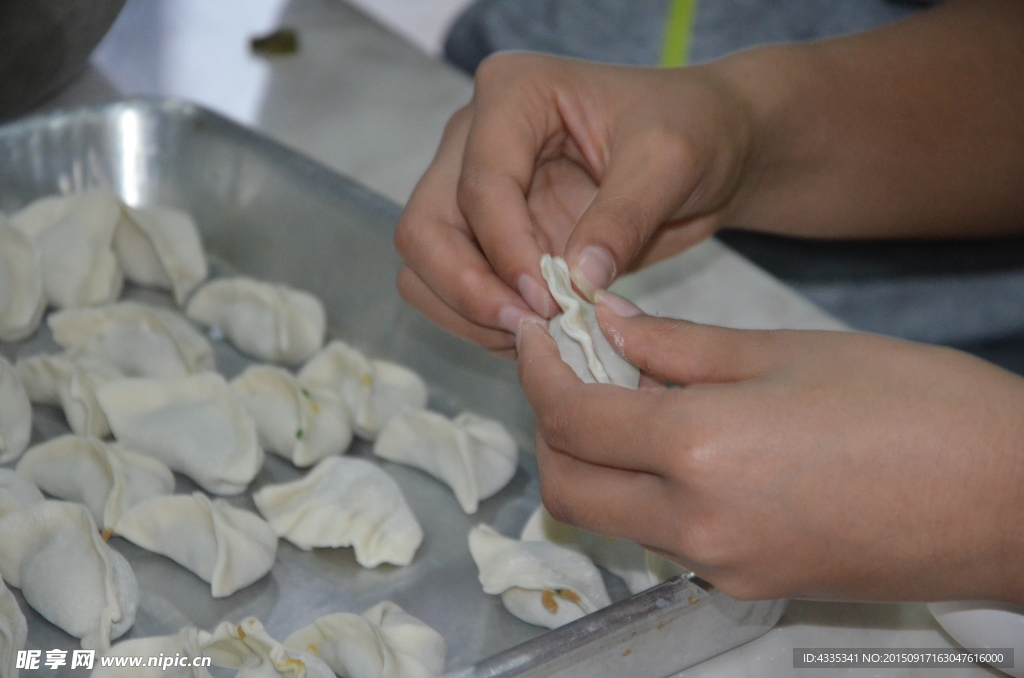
(826, 465)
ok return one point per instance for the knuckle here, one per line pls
(499, 67)
(703, 543)
(404, 283)
(633, 223)
(457, 121)
(471, 185)
(405, 236)
(557, 501)
(674, 150)
(697, 465)
(468, 282)
(554, 426)
(658, 342)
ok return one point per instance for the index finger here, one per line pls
(600, 424)
(434, 240)
(509, 131)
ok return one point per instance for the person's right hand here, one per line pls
(610, 167)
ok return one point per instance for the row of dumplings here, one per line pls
(144, 374)
(382, 642)
(71, 251)
(546, 578)
(76, 251)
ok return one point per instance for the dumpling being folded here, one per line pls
(140, 340)
(247, 647)
(475, 456)
(637, 566)
(16, 491)
(344, 501)
(228, 547)
(15, 414)
(383, 642)
(301, 424)
(106, 477)
(194, 424)
(53, 552)
(580, 339)
(74, 236)
(160, 247)
(21, 285)
(13, 632)
(275, 323)
(61, 379)
(539, 582)
(186, 644)
(374, 390)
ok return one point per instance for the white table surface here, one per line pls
(369, 105)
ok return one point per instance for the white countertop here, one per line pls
(365, 103)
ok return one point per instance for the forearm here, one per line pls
(914, 130)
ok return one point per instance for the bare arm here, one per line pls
(916, 129)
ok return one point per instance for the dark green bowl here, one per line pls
(44, 44)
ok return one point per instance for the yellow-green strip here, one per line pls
(677, 32)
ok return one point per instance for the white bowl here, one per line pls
(985, 625)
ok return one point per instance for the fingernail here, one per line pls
(522, 328)
(535, 294)
(594, 271)
(618, 305)
(510, 317)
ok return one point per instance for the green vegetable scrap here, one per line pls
(281, 42)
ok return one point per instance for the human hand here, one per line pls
(610, 167)
(800, 464)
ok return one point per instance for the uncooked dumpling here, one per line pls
(140, 340)
(580, 339)
(21, 285)
(539, 582)
(53, 552)
(270, 322)
(108, 478)
(71, 383)
(186, 646)
(374, 390)
(16, 491)
(475, 456)
(344, 502)
(194, 424)
(160, 247)
(228, 547)
(13, 632)
(637, 566)
(74, 236)
(15, 414)
(383, 642)
(247, 647)
(301, 424)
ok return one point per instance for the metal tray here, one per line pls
(268, 212)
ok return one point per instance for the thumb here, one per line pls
(642, 190)
(683, 352)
